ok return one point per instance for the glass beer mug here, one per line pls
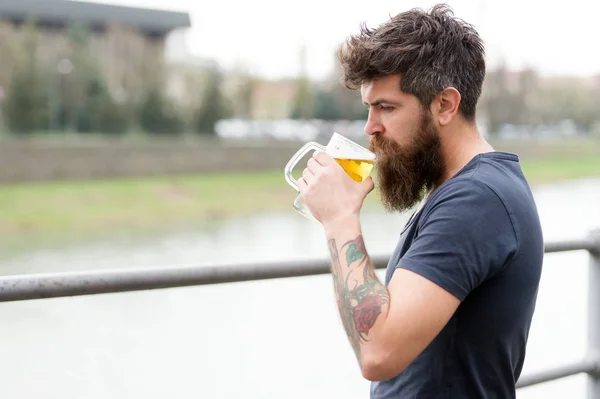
(356, 160)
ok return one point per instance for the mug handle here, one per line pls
(311, 145)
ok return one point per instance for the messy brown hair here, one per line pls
(430, 50)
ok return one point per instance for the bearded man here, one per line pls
(452, 318)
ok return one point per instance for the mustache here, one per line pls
(384, 148)
(378, 144)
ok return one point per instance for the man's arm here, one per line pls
(387, 327)
(361, 297)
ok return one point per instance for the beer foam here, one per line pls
(342, 148)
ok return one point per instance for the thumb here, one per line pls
(368, 185)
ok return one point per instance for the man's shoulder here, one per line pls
(462, 193)
(492, 179)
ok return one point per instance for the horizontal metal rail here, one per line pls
(39, 286)
(591, 244)
(54, 285)
(588, 366)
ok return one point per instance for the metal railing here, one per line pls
(54, 285)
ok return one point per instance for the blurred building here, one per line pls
(129, 43)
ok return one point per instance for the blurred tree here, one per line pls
(87, 103)
(525, 98)
(244, 86)
(326, 106)
(76, 84)
(99, 112)
(9, 48)
(303, 103)
(348, 103)
(214, 105)
(245, 94)
(497, 98)
(569, 100)
(157, 114)
(26, 105)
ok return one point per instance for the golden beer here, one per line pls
(357, 169)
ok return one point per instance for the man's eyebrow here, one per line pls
(380, 101)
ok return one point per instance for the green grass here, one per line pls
(88, 207)
(98, 204)
(563, 168)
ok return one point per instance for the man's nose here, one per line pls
(373, 126)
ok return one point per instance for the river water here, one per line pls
(263, 339)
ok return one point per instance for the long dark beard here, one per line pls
(405, 173)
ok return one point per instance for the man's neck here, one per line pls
(461, 142)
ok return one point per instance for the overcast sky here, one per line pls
(556, 38)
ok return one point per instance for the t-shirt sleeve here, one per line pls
(463, 237)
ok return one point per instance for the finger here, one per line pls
(323, 158)
(302, 185)
(313, 165)
(368, 185)
(308, 176)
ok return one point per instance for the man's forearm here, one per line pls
(363, 301)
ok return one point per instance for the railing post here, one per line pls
(594, 316)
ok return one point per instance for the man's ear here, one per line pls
(445, 105)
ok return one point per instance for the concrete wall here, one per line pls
(74, 159)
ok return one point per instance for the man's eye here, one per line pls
(386, 108)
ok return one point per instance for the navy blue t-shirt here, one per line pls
(479, 237)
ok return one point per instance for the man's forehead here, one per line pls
(385, 86)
